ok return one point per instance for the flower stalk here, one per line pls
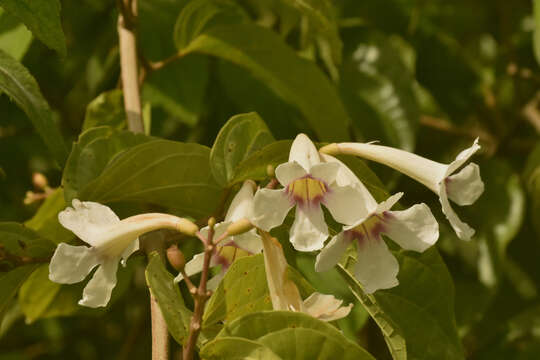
(200, 294)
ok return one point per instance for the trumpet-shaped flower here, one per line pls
(463, 187)
(376, 268)
(308, 182)
(284, 293)
(111, 241)
(231, 247)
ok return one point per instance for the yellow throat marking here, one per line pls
(307, 190)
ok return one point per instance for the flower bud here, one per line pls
(39, 180)
(211, 222)
(176, 258)
(239, 227)
(186, 227)
(270, 171)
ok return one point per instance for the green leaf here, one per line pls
(106, 110)
(200, 15)
(536, 34)
(167, 294)
(11, 281)
(255, 166)
(296, 80)
(256, 325)
(42, 17)
(15, 39)
(91, 154)
(23, 242)
(416, 317)
(306, 344)
(45, 221)
(377, 88)
(243, 290)
(37, 293)
(236, 349)
(17, 83)
(286, 332)
(240, 137)
(161, 172)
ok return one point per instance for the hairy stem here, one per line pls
(127, 38)
(200, 295)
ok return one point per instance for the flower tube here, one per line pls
(463, 187)
(111, 241)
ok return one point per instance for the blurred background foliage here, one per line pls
(425, 76)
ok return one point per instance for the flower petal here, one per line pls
(193, 266)
(325, 307)
(347, 204)
(87, 219)
(465, 187)
(270, 208)
(462, 158)
(388, 203)
(376, 268)
(346, 177)
(413, 229)
(288, 172)
(242, 203)
(213, 283)
(132, 247)
(309, 231)
(304, 152)
(71, 264)
(98, 290)
(249, 241)
(326, 172)
(463, 230)
(332, 253)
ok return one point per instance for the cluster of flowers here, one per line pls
(310, 179)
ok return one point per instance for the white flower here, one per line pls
(110, 240)
(231, 247)
(376, 268)
(463, 188)
(284, 293)
(307, 182)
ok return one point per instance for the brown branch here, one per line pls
(474, 132)
(201, 294)
(151, 66)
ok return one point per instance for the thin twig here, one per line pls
(201, 294)
(474, 132)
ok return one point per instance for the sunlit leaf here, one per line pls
(240, 137)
